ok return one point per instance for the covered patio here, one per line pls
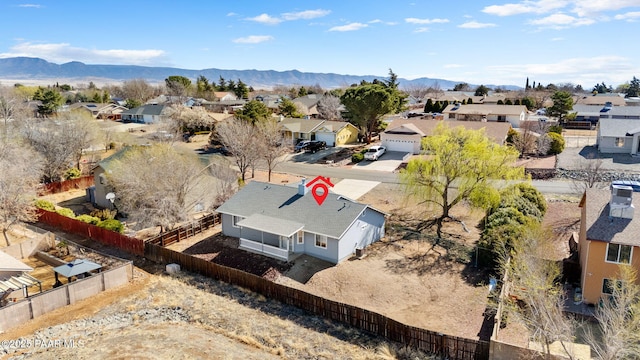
(79, 268)
(268, 235)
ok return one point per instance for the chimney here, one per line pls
(302, 187)
(621, 203)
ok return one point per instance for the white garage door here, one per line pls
(329, 138)
(406, 146)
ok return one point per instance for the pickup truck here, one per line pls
(315, 145)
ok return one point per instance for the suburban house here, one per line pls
(308, 105)
(284, 221)
(599, 99)
(405, 135)
(98, 111)
(594, 113)
(225, 96)
(621, 136)
(146, 114)
(294, 129)
(98, 192)
(337, 133)
(513, 114)
(608, 238)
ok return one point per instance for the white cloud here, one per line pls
(425, 21)
(453, 66)
(253, 39)
(421, 30)
(588, 7)
(232, 14)
(307, 14)
(630, 16)
(64, 52)
(36, 6)
(376, 21)
(476, 25)
(525, 7)
(265, 19)
(561, 21)
(349, 27)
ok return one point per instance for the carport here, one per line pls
(77, 267)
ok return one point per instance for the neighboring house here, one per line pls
(453, 97)
(96, 110)
(172, 99)
(337, 133)
(147, 114)
(98, 192)
(594, 113)
(600, 99)
(405, 135)
(308, 105)
(224, 106)
(608, 238)
(225, 96)
(14, 280)
(284, 221)
(513, 114)
(295, 130)
(618, 136)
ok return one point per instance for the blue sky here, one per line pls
(480, 42)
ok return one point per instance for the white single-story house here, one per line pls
(284, 221)
(405, 135)
(147, 114)
(513, 114)
(618, 136)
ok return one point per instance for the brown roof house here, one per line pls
(608, 238)
(405, 135)
(513, 114)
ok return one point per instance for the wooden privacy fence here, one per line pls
(77, 227)
(185, 231)
(450, 347)
(62, 186)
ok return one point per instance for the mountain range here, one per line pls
(26, 68)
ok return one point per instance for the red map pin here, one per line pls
(320, 190)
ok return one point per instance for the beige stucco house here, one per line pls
(513, 114)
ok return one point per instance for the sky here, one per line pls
(479, 42)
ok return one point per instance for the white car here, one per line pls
(374, 152)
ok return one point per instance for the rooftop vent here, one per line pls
(607, 106)
(620, 205)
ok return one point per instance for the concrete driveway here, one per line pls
(353, 189)
(389, 161)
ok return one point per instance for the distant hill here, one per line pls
(25, 68)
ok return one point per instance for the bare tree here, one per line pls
(137, 89)
(591, 171)
(418, 91)
(12, 108)
(329, 107)
(20, 173)
(194, 118)
(157, 186)
(535, 282)
(239, 137)
(79, 133)
(226, 181)
(618, 319)
(271, 144)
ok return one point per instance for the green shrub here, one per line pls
(72, 173)
(112, 224)
(45, 205)
(202, 132)
(555, 129)
(104, 214)
(557, 144)
(88, 219)
(357, 157)
(526, 199)
(512, 135)
(66, 212)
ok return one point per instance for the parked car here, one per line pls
(374, 152)
(301, 145)
(315, 145)
(635, 185)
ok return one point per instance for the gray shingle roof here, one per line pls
(332, 218)
(601, 227)
(617, 127)
(496, 131)
(145, 110)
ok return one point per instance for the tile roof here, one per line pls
(601, 227)
(497, 131)
(332, 218)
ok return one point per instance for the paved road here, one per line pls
(309, 170)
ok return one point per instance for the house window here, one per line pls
(608, 286)
(620, 254)
(619, 142)
(300, 237)
(235, 220)
(321, 241)
(452, 116)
